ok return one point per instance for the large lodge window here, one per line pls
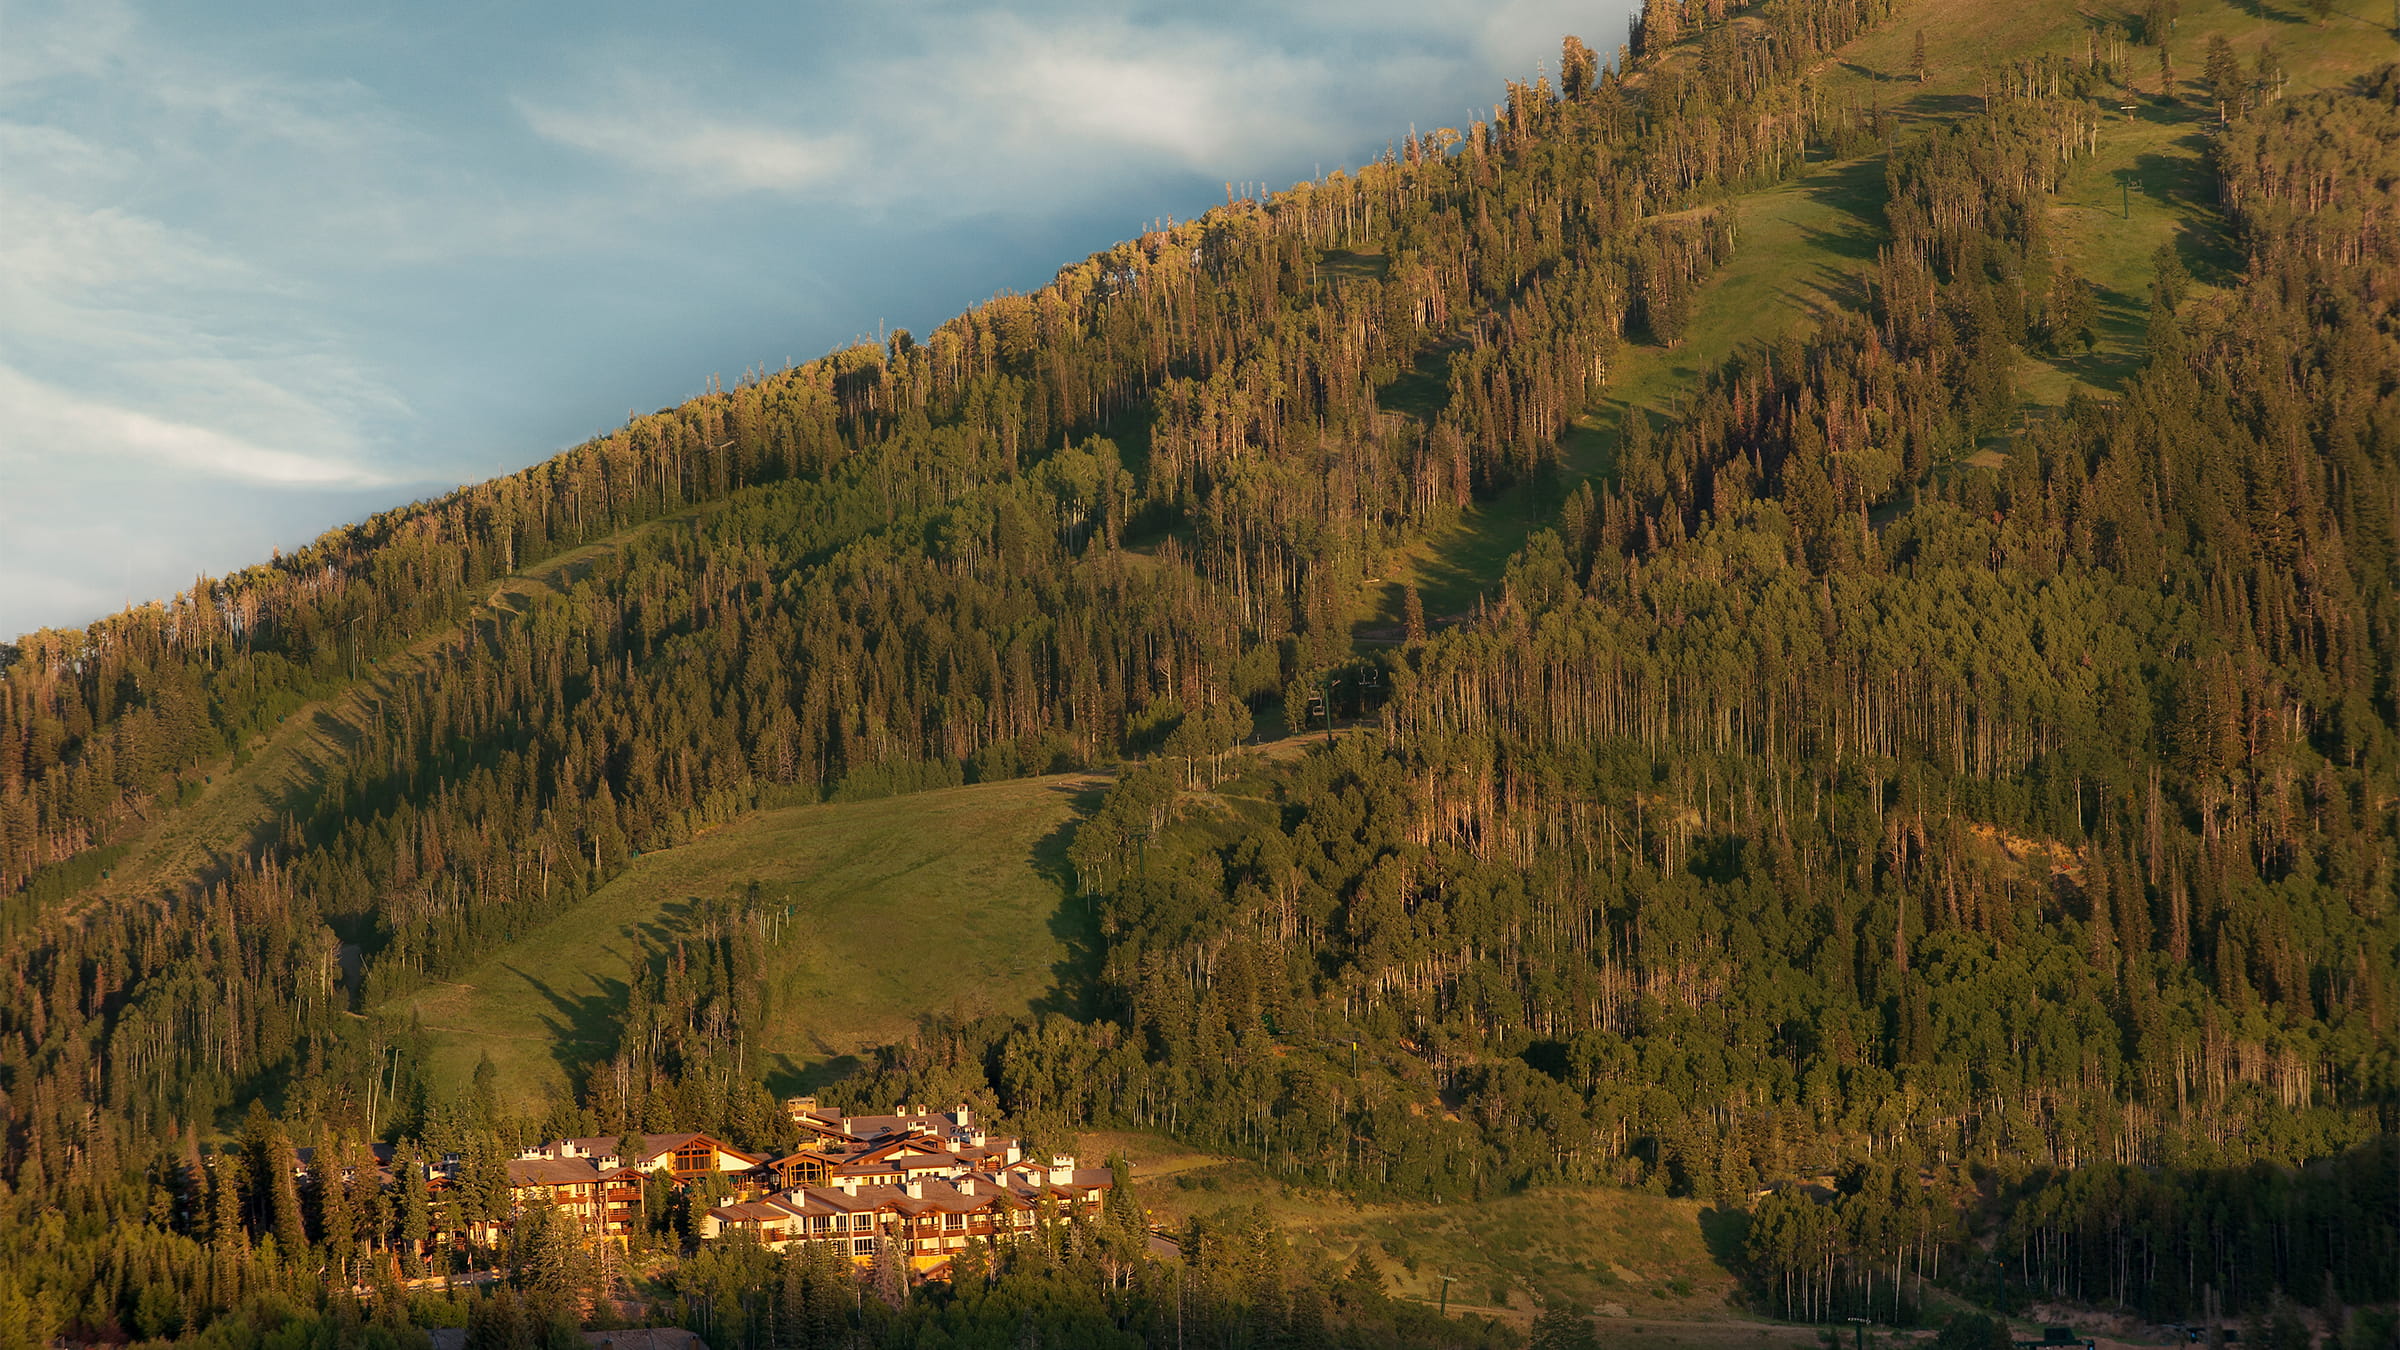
(695, 1157)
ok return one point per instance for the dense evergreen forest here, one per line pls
(2009, 849)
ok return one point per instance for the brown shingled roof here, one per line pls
(550, 1172)
(755, 1210)
(654, 1145)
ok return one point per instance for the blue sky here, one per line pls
(267, 268)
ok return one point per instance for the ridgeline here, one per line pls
(1823, 594)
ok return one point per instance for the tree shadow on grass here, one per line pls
(2123, 327)
(1726, 1233)
(1943, 106)
(1470, 554)
(584, 1029)
(1422, 390)
(1854, 186)
(786, 1077)
(659, 936)
(1075, 923)
(1858, 245)
(2184, 183)
(2182, 178)
(2265, 13)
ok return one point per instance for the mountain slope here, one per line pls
(1856, 778)
(872, 914)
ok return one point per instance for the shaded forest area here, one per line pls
(1807, 804)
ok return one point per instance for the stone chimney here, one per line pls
(914, 1188)
(1062, 1168)
(1012, 1155)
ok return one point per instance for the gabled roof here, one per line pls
(656, 1145)
(866, 1200)
(876, 1152)
(949, 1199)
(929, 1162)
(800, 1203)
(755, 1211)
(879, 1128)
(550, 1171)
(822, 1155)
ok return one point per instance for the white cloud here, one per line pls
(129, 344)
(1199, 99)
(56, 251)
(706, 153)
(227, 244)
(992, 112)
(966, 113)
(45, 420)
(119, 326)
(61, 41)
(53, 154)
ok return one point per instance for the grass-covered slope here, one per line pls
(944, 902)
(231, 806)
(1541, 937)
(1809, 246)
(1656, 1270)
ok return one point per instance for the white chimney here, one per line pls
(1013, 1153)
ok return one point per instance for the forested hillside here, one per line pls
(1859, 781)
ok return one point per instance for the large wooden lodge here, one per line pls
(922, 1182)
(926, 1183)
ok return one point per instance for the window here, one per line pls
(695, 1157)
(953, 1220)
(864, 1246)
